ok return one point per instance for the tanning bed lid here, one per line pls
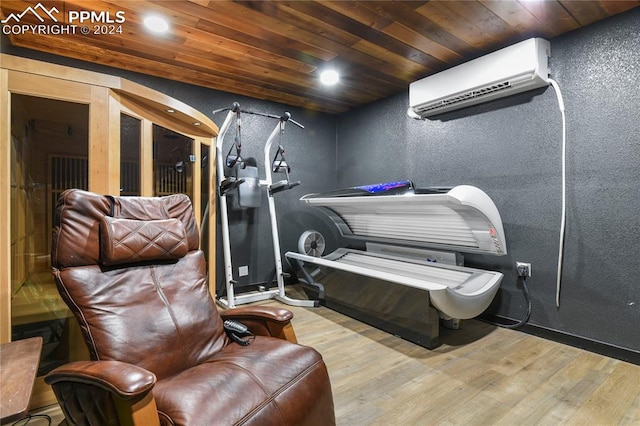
(463, 218)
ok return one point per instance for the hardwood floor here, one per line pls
(481, 375)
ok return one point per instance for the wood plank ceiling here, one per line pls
(274, 50)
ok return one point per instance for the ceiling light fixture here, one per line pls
(156, 24)
(170, 110)
(329, 77)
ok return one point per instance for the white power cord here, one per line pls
(563, 219)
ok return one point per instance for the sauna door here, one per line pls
(49, 154)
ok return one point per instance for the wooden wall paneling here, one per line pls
(146, 159)
(211, 240)
(180, 120)
(196, 183)
(146, 149)
(48, 87)
(113, 142)
(153, 102)
(104, 157)
(59, 72)
(5, 208)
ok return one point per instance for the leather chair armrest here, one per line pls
(115, 389)
(264, 320)
(125, 380)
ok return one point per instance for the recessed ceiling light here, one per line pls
(196, 123)
(170, 110)
(156, 24)
(329, 77)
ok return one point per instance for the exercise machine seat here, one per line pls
(131, 271)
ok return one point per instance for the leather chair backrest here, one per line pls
(130, 270)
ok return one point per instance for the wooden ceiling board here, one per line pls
(150, 67)
(517, 17)
(225, 25)
(585, 13)
(272, 30)
(614, 7)
(423, 23)
(441, 55)
(553, 16)
(451, 22)
(361, 32)
(275, 50)
(360, 12)
(481, 22)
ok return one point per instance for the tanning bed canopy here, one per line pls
(462, 218)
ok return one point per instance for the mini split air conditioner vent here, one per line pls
(464, 97)
(514, 69)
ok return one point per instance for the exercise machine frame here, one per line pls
(232, 299)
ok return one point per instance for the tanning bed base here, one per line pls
(456, 291)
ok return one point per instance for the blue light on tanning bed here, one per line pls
(379, 188)
(386, 188)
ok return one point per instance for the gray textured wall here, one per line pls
(511, 148)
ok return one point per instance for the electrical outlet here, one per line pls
(523, 269)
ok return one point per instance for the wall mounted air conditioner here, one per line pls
(514, 69)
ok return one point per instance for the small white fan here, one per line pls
(311, 243)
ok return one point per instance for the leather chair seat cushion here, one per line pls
(269, 382)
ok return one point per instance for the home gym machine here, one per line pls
(248, 186)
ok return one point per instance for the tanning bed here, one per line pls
(414, 238)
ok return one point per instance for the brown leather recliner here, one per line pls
(130, 270)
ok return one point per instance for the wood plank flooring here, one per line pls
(481, 375)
